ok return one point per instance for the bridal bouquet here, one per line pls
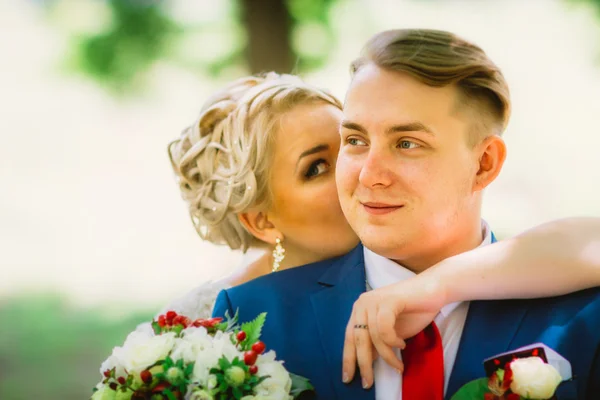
(196, 360)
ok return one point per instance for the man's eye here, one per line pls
(407, 144)
(355, 142)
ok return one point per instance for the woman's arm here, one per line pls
(549, 260)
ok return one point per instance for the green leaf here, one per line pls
(263, 378)
(500, 373)
(183, 387)
(223, 387)
(189, 369)
(239, 363)
(169, 394)
(253, 330)
(224, 363)
(230, 323)
(237, 393)
(156, 328)
(177, 329)
(300, 385)
(473, 390)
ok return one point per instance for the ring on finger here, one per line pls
(361, 326)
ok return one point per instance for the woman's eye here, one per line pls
(355, 142)
(317, 168)
(407, 144)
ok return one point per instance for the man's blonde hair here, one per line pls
(438, 58)
(223, 159)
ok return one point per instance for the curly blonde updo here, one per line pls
(222, 160)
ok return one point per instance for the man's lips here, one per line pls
(379, 208)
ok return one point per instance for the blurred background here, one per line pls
(94, 237)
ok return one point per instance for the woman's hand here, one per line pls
(383, 318)
(549, 260)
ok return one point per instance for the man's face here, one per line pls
(406, 171)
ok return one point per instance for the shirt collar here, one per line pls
(381, 271)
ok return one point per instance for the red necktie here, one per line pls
(423, 358)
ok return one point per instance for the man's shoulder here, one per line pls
(559, 309)
(297, 280)
(582, 299)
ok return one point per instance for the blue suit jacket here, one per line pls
(308, 309)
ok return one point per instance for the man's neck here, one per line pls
(461, 241)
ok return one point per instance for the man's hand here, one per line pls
(382, 319)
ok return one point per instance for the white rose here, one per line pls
(222, 343)
(533, 378)
(193, 341)
(279, 383)
(209, 352)
(110, 363)
(272, 394)
(142, 350)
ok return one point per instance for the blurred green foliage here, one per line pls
(137, 36)
(50, 350)
(137, 33)
(595, 3)
(312, 36)
(141, 32)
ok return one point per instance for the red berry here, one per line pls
(178, 320)
(162, 321)
(186, 322)
(121, 380)
(512, 396)
(170, 316)
(253, 369)
(113, 386)
(107, 373)
(250, 357)
(241, 336)
(146, 376)
(160, 387)
(258, 347)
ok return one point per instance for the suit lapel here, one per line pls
(489, 330)
(342, 284)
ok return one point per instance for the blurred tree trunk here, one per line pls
(268, 27)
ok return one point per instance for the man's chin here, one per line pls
(389, 248)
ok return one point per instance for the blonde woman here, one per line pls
(256, 170)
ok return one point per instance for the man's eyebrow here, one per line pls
(353, 126)
(406, 127)
(410, 127)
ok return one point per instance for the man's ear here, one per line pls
(491, 159)
(258, 224)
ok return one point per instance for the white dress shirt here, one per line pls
(381, 271)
